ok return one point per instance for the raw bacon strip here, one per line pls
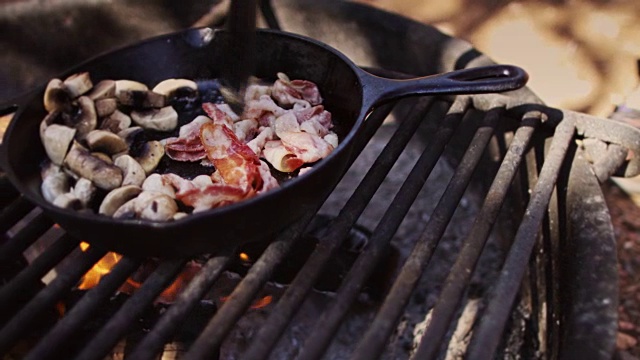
(246, 130)
(257, 144)
(307, 147)
(264, 110)
(211, 196)
(289, 92)
(235, 162)
(281, 158)
(217, 114)
(268, 181)
(187, 146)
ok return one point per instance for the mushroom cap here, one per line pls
(150, 157)
(132, 171)
(103, 90)
(118, 197)
(56, 96)
(86, 118)
(158, 183)
(106, 107)
(78, 84)
(106, 141)
(55, 182)
(56, 140)
(165, 119)
(169, 86)
(104, 175)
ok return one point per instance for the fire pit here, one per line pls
(466, 227)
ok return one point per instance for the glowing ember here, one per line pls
(101, 268)
(258, 304)
(244, 257)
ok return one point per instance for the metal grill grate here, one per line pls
(20, 318)
(526, 158)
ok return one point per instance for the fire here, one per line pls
(104, 266)
(258, 304)
(101, 268)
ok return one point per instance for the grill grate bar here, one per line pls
(153, 342)
(15, 289)
(46, 299)
(418, 260)
(375, 339)
(240, 299)
(15, 211)
(83, 310)
(320, 339)
(387, 227)
(111, 332)
(486, 339)
(25, 237)
(291, 300)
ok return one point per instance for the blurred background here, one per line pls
(581, 55)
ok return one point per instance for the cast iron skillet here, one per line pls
(349, 94)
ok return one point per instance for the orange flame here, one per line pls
(101, 268)
(258, 304)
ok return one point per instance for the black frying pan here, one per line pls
(349, 94)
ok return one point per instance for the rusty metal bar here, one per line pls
(37, 269)
(376, 337)
(25, 237)
(330, 320)
(111, 332)
(47, 298)
(291, 300)
(489, 332)
(15, 211)
(153, 342)
(83, 310)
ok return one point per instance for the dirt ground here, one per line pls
(581, 55)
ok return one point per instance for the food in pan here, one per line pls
(105, 143)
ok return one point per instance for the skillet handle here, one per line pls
(480, 80)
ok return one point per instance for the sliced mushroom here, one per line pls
(126, 211)
(78, 84)
(116, 122)
(68, 201)
(150, 156)
(56, 96)
(55, 182)
(106, 107)
(155, 206)
(129, 85)
(131, 134)
(118, 197)
(157, 183)
(165, 119)
(103, 90)
(132, 171)
(102, 156)
(170, 86)
(139, 99)
(84, 190)
(179, 215)
(104, 175)
(106, 141)
(56, 140)
(84, 119)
